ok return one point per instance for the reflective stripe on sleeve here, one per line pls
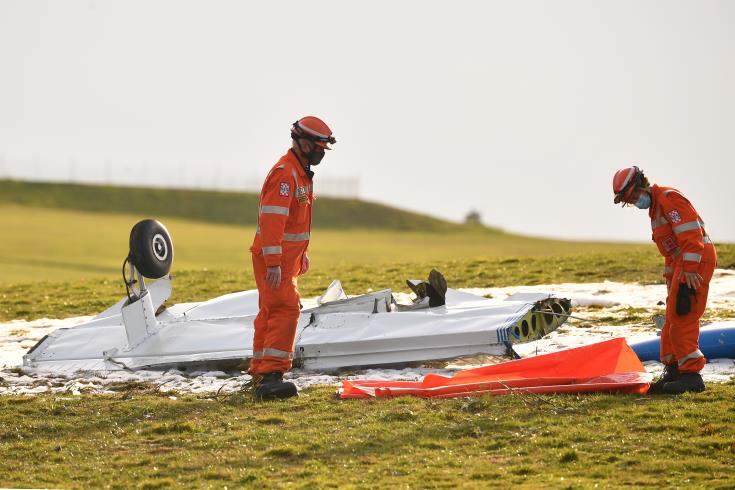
(707, 240)
(274, 210)
(690, 225)
(668, 270)
(692, 257)
(655, 223)
(296, 237)
(281, 354)
(258, 355)
(272, 250)
(692, 355)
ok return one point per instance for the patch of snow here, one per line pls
(634, 295)
(17, 336)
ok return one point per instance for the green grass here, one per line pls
(234, 208)
(141, 440)
(40, 243)
(75, 268)
(60, 299)
(64, 262)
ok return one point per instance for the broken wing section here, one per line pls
(213, 331)
(344, 339)
(466, 325)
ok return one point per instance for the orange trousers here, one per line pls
(680, 334)
(275, 325)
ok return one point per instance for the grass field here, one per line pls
(40, 243)
(62, 262)
(59, 263)
(140, 439)
(234, 208)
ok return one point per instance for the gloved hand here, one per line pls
(273, 276)
(304, 264)
(693, 279)
(684, 299)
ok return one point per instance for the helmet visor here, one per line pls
(321, 140)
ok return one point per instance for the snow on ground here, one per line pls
(590, 300)
(609, 294)
(17, 336)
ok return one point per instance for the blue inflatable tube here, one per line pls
(715, 341)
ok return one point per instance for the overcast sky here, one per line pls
(522, 110)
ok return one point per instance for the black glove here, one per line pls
(684, 299)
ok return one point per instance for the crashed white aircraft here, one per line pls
(367, 330)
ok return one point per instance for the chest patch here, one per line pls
(285, 189)
(302, 193)
(674, 216)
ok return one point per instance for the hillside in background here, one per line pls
(211, 206)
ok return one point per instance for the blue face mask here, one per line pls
(644, 201)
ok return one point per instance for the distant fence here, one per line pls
(181, 175)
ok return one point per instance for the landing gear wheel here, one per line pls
(151, 249)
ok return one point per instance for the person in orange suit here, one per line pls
(279, 253)
(689, 262)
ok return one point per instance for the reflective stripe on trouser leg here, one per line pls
(278, 354)
(261, 320)
(692, 355)
(684, 331)
(275, 328)
(283, 318)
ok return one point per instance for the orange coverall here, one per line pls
(681, 238)
(281, 239)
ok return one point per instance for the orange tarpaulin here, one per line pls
(605, 366)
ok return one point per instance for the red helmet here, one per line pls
(625, 181)
(313, 129)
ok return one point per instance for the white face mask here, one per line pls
(644, 201)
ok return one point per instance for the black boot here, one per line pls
(671, 373)
(687, 382)
(272, 387)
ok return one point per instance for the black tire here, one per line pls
(151, 249)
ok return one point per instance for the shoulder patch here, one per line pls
(285, 189)
(674, 216)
